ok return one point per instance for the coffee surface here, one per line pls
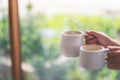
(73, 32)
(92, 47)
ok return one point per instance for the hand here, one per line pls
(113, 57)
(99, 38)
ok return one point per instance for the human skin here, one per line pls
(113, 57)
(99, 38)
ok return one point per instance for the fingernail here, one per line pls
(109, 46)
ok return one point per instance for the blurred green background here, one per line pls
(40, 45)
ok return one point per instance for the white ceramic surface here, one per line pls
(92, 59)
(70, 44)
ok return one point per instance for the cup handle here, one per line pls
(106, 50)
(85, 34)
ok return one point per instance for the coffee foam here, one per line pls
(92, 47)
(73, 32)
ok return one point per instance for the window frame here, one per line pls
(15, 45)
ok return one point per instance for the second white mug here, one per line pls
(92, 56)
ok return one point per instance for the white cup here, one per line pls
(71, 42)
(92, 56)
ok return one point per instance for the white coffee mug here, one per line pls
(92, 56)
(71, 42)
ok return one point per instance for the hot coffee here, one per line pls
(73, 32)
(92, 47)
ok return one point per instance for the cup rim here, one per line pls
(63, 33)
(99, 50)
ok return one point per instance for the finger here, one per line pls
(113, 56)
(115, 66)
(89, 37)
(113, 60)
(92, 41)
(113, 53)
(96, 34)
(113, 48)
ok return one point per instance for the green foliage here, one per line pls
(5, 72)
(29, 6)
(69, 70)
(4, 34)
(40, 41)
(30, 39)
(46, 70)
